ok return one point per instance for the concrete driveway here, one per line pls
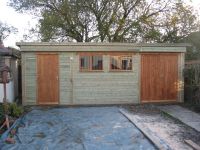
(84, 128)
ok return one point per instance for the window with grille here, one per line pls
(120, 63)
(91, 62)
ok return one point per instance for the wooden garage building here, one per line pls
(101, 73)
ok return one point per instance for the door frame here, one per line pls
(47, 53)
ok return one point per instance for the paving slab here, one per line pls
(84, 128)
(159, 142)
(186, 116)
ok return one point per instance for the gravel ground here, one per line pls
(84, 128)
(166, 127)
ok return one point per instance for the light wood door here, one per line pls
(159, 77)
(47, 81)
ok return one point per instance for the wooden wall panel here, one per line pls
(181, 65)
(105, 87)
(29, 84)
(159, 77)
(47, 71)
(66, 77)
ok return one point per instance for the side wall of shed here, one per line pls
(29, 79)
(181, 65)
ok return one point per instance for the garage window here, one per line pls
(121, 63)
(85, 62)
(91, 63)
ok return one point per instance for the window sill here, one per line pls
(120, 70)
(95, 71)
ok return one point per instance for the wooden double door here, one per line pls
(47, 79)
(159, 77)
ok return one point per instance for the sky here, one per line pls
(24, 22)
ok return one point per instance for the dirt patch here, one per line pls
(171, 130)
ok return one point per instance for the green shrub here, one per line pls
(15, 110)
(1, 113)
(192, 84)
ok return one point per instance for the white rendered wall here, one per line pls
(10, 92)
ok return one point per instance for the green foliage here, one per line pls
(1, 113)
(153, 35)
(111, 20)
(192, 75)
(4, 108)
(15, 110)
(193, 52)
(192, 84)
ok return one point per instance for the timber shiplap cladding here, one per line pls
(159, 77)
(181, 65)
(105, 87)
(66, 77)
(29, 78)
(88, 88)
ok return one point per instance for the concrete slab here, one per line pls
(159, 142)
(186, 116)
(86, 128)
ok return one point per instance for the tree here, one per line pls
(193, 52)
(6, 30)
(180, 23)
(111, 20)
